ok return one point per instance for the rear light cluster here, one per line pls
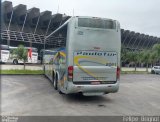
(70, 73)
(118, 73)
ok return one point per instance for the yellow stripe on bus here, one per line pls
(76, 61)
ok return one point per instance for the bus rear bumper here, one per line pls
(90, 90)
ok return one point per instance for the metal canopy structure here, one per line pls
(45, 18)
(137, 41)
(30, 27)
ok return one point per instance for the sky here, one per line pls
(136, 15)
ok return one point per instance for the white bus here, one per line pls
(32, 55)
(7, 57)
(4, 53)
(89, 60)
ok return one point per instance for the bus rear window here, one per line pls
(96, 23)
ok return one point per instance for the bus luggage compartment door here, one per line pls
(94, 67)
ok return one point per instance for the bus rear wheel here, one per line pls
(58, 85)
(55, 80)
(15, 61)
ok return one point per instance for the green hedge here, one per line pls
(16, 72)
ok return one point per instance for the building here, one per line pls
(30, 27)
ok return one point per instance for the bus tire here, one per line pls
(58, 85)
(55, 80)
(15, 61)
(60, 92)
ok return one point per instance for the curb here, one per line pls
(21, 74)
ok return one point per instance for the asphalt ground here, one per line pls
(34, 95)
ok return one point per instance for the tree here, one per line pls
(20, 53)
(153, 57)
(133, 58)
(146, 58)
(140, 57)
(123, 53)
(156, 50)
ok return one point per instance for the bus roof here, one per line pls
(93, 17)
(89, 17)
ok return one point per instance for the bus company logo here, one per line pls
(95, 53)
(9, 119)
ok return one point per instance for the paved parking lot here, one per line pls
(34, 95)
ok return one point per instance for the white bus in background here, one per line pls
(4, 53)
(7, 57)
(31, 58)
(89, 60)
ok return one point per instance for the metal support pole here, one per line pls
(140, 41)
(149, 42)
(144, 42)
(58, 6)
(37, 24)
(23, 26)
(130, 41)
(48, 27)
(60, 22)
(44, 45)
(135, 42)
(126, 38)
(24, 22)
(153, 41)
(122, 36)
(8, 40)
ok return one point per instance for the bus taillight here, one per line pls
(70, 73)
(118, 73)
